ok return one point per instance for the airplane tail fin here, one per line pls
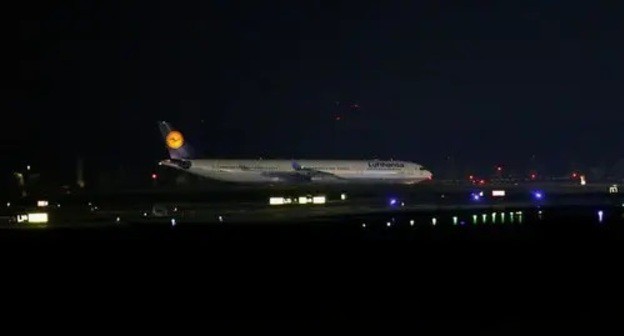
(174, 141)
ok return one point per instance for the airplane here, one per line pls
(181, 157)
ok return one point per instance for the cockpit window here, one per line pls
(421, 168)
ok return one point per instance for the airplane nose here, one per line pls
(429, 175)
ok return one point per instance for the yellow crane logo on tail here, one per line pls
(174, 140)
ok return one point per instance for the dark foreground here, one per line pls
(554, 272)
(438, 265)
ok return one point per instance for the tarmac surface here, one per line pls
(236, 204)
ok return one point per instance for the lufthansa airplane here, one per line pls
(288, 171)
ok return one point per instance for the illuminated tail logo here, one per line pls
(177, 146)
(174, 140)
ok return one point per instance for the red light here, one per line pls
(533, 176)
(338, 118)
(499, 168)
(154, 176)
(471, 177)
(482, 182)
(574, 175)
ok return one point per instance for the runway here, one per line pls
(251, 204)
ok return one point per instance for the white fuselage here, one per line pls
(326, 171)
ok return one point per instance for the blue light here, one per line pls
(393, 201)
(538, 195)
(476, 196)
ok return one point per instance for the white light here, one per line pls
(454, 219)
(613, 189)
(9, 204)
(434, 221)
(276, 200)
(42, 204)
(38, 217)
(318, 200)
(343, 196)
(220, 218)
(117, 219)
(600, 216)
(173, 222)
(388, 224)
(145, 214)
(363, 225)
(402, 203)
(175, 209)
(583, 182)
(28, 167)
(303, 200)
(58, 205)
(22, 218)
(411, 222)
(498, 193)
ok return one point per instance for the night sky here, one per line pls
(483, 83)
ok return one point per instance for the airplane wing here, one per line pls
(300, 173)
